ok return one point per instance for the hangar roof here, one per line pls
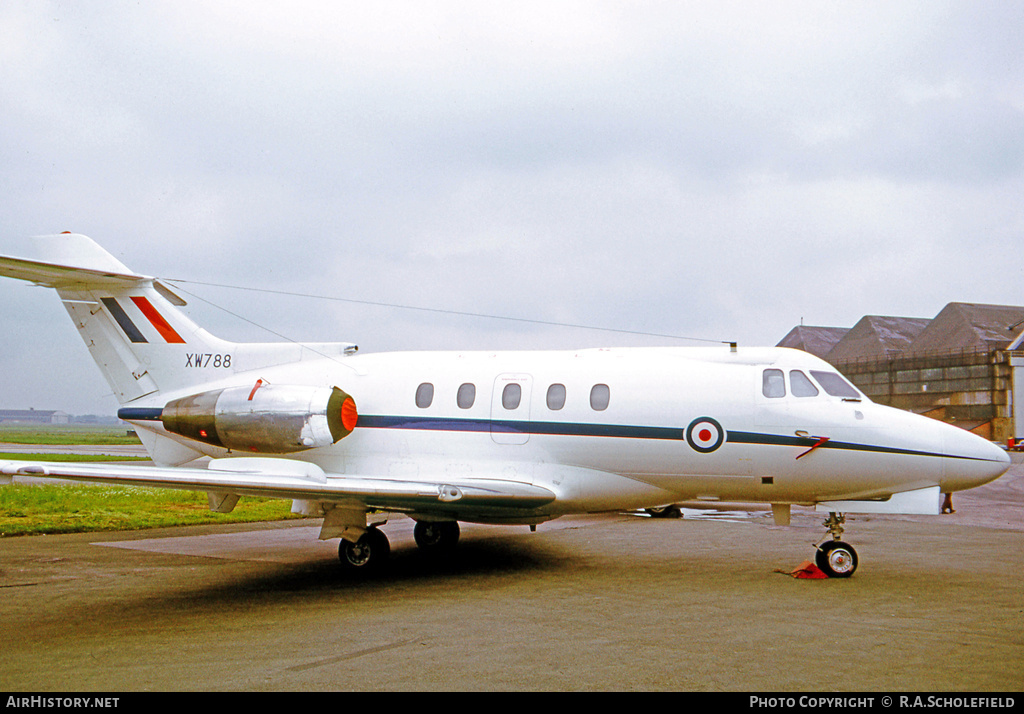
(819, 341)
(960, 326)
(970, 327)
(878, 337)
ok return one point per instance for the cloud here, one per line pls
(715, 171)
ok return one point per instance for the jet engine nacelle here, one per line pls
(265, 418)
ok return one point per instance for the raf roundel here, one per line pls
(705, 434)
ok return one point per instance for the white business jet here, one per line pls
(487, 437)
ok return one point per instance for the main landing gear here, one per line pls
(373, 549)
(366, 554)
(836, 558)
(670, 511)
(436, 536)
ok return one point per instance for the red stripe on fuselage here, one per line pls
(161, 325)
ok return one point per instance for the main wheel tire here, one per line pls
(836, 559)
(436, 536)
(368, 553)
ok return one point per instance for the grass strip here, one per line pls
(53, 509)
(31, 509)
(68, 434)
(69, 457)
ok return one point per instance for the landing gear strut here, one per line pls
(836, 558)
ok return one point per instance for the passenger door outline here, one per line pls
(511, 426)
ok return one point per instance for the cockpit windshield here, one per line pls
(835, 385)
(773, 384)
(802, 387)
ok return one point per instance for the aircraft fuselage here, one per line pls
(630, 428)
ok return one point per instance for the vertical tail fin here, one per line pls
(148, 350)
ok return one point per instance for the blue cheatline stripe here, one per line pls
(621, 431)
(741, 437)
(123, 320)
(548, 428)
(552, 428)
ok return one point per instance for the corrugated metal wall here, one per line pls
(971, 389)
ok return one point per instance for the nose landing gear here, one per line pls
(836, 558)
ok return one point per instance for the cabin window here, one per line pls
(835, 385)
(511, 395)
(773, 384)
(466, 395)
(424, 395)
(600, 395)
(556, 397)
(801, 385)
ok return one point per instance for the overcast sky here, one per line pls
(703, 169)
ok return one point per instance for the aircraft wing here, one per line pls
(284, 478)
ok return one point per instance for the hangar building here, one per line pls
(964, 366)
(33, 416)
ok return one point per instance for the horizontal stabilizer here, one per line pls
(63, 276)
(68, 259)
(74, 261)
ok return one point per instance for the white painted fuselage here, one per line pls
(629, 448)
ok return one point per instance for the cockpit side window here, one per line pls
(773, 383)
(835, 385)
(800, 385)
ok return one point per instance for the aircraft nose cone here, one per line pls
(970, 460)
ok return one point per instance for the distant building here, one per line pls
(963, 366)
(819, 341)
(877, 337)
(966, 327)
(33, 416)
(1016, 352)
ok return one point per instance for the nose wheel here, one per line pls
(836, 558)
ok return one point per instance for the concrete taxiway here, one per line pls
(616, 602)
